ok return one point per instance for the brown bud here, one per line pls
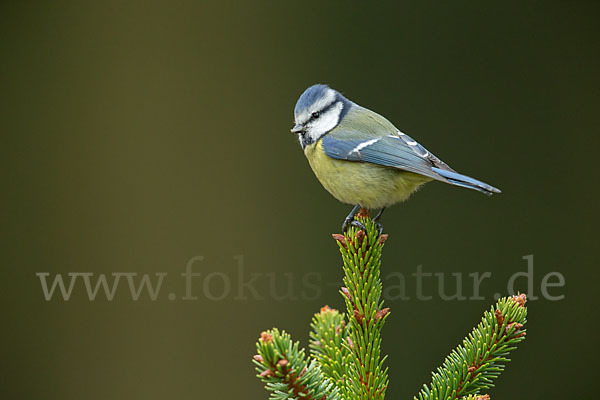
(350, 343)
(499, 316)
(267, 372)
(483, 397)
(282, 363)
(360, 236)
(471, 369)
(258, 358)
(346, 292)
(341, 239)
(363, 212)
(520, 299)
(326, 308)
(517, 328)
(359, 317)
(266, 337)
(381, 313)
(383, 238)
(317, 343)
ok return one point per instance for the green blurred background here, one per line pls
(137, 135)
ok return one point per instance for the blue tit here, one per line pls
(361, 158)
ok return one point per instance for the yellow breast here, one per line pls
(369, 185)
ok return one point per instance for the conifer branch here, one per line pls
(345, 361)
(286, 373)
(361, 253)
(328, 336)
(472, 366)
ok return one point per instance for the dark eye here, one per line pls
(316, 114)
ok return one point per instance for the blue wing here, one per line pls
(397, 150)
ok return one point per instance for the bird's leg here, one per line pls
(379, 214)
(377, 220)
(350, 221)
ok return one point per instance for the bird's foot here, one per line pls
(350, 221)
(358, 225)
(362, 212)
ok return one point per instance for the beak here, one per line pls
(297, 128)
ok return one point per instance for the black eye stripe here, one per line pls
(323, 111)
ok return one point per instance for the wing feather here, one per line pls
(386, 151)
(368, 137)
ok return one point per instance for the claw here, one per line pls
(358, 225)
(379, 226)
(377, 223)
(346, 224)
(349, 219)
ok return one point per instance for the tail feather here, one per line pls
(467, 182)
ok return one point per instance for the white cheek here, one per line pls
(326, 122)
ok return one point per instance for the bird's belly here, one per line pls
(369, 185)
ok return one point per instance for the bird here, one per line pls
(362, 159)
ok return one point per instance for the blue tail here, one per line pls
(467, 182)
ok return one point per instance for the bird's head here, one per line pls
(318, 110)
